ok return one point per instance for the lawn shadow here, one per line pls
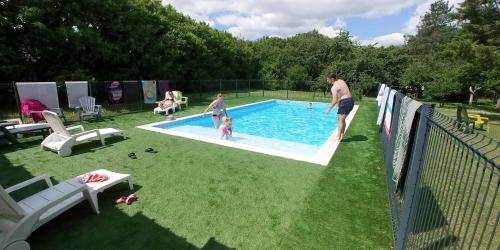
(429, 207)
(102, 119)
(355, 138)
(94, 146)
(14, 174)
(442, 243)
(113, 228)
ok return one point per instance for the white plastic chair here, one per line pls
(19, 219)
(61, 141)
(88, 108)
(180, 99)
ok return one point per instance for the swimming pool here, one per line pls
(276, 127)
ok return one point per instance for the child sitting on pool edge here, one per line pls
(227, 129)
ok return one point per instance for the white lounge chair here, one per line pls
(61, 141)
(180, 99)
(10, 128)
(159, 110)
(19, 219)
(88, 108)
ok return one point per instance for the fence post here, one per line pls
(199, 88)
(249, 92)
(286, 82)
(236, 88)
(141, 94)
(263, 82)
(220, 85)
(412, 179)
(17, 100)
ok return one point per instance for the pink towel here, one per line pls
(28, 106)
(94, 178)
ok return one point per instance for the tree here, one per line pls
(480, 19)
(436, 28)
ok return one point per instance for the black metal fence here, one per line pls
(451, 179)
(198, 91)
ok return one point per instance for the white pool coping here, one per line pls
(322, 156)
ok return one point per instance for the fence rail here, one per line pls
(198, 91)
(449, 198)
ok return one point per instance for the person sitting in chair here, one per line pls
(169, 100)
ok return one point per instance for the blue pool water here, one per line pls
(277, 121)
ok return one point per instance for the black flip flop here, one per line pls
(150, 150)
(132, 155)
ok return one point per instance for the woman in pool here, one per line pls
(217, 107)
(169, 100)
(227, 128)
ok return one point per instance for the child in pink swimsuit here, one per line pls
(227, 129)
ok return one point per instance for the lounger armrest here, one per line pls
(56, 109)
(184, 99)
(76, 127)
(98, 108)
(29, 182)
(89, 132)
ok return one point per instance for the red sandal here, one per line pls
(131, 198)
(122, 199)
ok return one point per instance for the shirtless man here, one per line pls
(341, 96)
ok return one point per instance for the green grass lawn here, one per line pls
(195, 195)
(489, 111)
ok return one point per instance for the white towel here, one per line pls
(76, 90)
(406, 116)
(388, 113)
(382, 106)
(380, 94)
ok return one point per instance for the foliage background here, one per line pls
(454, 49)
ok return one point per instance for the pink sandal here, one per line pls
(122, 199)
(131, 198)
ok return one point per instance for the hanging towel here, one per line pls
(406, 116)
(388, 113)
(94, 178)
(149, 91)
(382, 106)
(75, 90)
(380, 95)
(28, 106)
(115, 92)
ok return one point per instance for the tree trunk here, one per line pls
(472, 91)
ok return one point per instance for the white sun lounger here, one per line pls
(19, 219)
(61, 141)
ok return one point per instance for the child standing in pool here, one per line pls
(227, 128)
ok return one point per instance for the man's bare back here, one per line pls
(341, 90)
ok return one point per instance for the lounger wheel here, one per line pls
(18, 245)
